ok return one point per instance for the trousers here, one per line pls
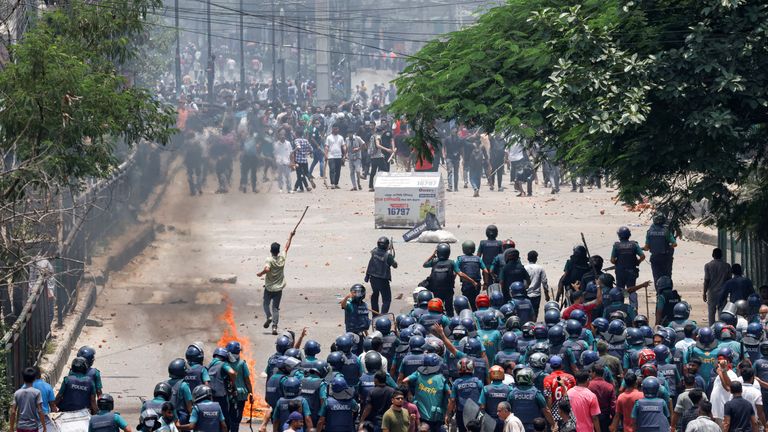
(334, 166)
(271, 305)
(380, 286)
(661, 265)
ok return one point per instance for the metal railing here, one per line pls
(90, 216)
(747, 250)
(24, 343)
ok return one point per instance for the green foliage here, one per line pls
(667, 97)
(64, 102)
(6, 392)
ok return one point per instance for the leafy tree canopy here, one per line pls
(64, 103)
(667, 97)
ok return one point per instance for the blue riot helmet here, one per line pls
(312, 348)
(681, 311)
(423, 298)
(634, 336)
(344, 344)
(405, 335)
(460, 303)
(473, 347)
(540, 331)
(556, 335)
(443, 251)
(556, 362)
(406, 322)
(336, 360)
(573, 328)
(496, 298)
(717, 329)
(508, 310)
(600, 324)
(517, 289)
(579, 316)
(176, 369)
(651, 387)
(468, 323)
(459, 332)
(662, 353)
(293, 353)
(194, 354)
(551, 317)
(624, 233)
(552, 305)
(283, 343)
(663, 283)
(419, 329)
(755, 330)
(512, 323)
(202, 393)
(416, 344)
(489, 321)
(639, 321)
(453, 322)
(647, 333)
(383, 324)
(291, 387)
(234, 347)
(88, 353)
(726, 353)
(509, 341)
(706, 336)
(588, 357)
(527, 329)
(617, 328)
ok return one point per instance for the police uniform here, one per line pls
(379, 275)
(660, 241)
(76, 392)
(465, 388)
(626, 253)
(442, 280)
(472, 266)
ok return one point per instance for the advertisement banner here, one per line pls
(402, 200)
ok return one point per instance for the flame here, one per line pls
(260, 406)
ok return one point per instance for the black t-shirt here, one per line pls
(386, 139)
(380, 398)
(514, 271)
(740, 411)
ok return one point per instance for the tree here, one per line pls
(667, 97)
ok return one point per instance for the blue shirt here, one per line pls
(46, 392)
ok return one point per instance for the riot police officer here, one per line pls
(489, 248)
(207, 415)
(314, 390)
(181, 394)
(242, 385)
(472, 271)
(356, 313)
(379, 274)
(627, 255)
(493, 394)
(161, 395)
(389, 340)
(666, 300)
(465, 387)
(340, 408)
(89, 354)
(106, 420)
(77, 390)
(351, 367)
(197, 374)
(291, 395)
(660, 241)
(443, 275)
(414, 359)
(223, 378)
(522, 303)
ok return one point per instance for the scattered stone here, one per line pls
(228, 279)
(171, 228)
(399, 296)
(160, 228)
(602, 211)
(90, 322)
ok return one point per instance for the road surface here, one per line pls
(163, 300)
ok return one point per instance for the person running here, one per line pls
(274, 282)
(27, 406)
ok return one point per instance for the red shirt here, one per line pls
(624, 405)
(586, 307)
(583, 406)
(606, 394)
(555, 390)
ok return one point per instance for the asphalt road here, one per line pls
(163, 300)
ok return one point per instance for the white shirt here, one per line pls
(283, 152)
(513, 424)
(515, 151)
(538, 279)
(720, 396)
(751, 393)
(43, 268)
(333, 144)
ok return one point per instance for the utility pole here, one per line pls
(274, 55)
(242, 53)
(322, 69)
(282, 49)
(211, 56)
(178, 48)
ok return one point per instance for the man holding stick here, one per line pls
(274, 280)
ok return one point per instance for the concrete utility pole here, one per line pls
(242, 53)
(178, 48)
(274, 55)
(211, 56)
(322, 69)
